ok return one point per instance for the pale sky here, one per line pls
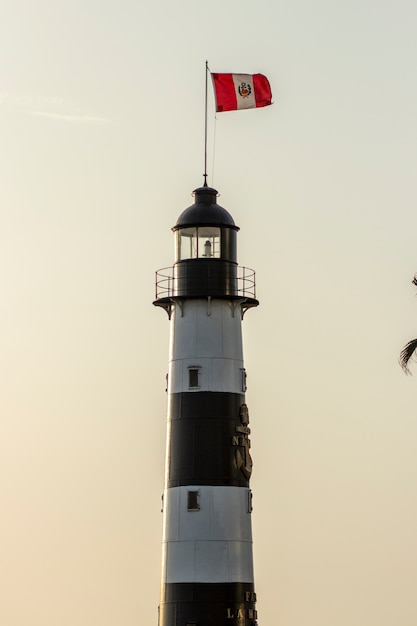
(101, 145)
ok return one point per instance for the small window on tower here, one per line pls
(193, 377)
(192, 501)
(243, 379)
(250, 504)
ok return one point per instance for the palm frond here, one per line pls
(406, 354)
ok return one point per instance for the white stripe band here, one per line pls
(206, 329)
(211, 544)
(206, 336)
(245, 92)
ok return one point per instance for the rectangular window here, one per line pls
(192, 501)
(193, 377)
(250, 505)
(243, 379)
(186, 243)
(202, 242)
(208, 242)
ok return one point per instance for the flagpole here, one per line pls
(205, 132)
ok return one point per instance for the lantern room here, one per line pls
(205, 264)
(205, 230)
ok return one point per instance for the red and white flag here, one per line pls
(241, 91)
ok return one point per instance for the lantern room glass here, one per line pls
(198, 242)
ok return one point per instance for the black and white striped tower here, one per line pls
(207, 564)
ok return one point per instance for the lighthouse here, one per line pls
(207, 559)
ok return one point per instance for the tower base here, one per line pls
(208, 604)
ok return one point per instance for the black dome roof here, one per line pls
(205, 211)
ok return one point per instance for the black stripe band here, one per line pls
(208, 442)
(205, 405)
(207, 604)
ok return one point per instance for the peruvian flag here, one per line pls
(241, 91)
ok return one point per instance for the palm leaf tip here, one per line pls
(406, 354)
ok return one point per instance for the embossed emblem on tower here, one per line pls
(241, 440)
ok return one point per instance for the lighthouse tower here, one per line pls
(207, 564)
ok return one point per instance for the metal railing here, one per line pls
(166, 285)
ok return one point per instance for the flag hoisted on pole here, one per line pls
(233, 92)
(241, 91)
